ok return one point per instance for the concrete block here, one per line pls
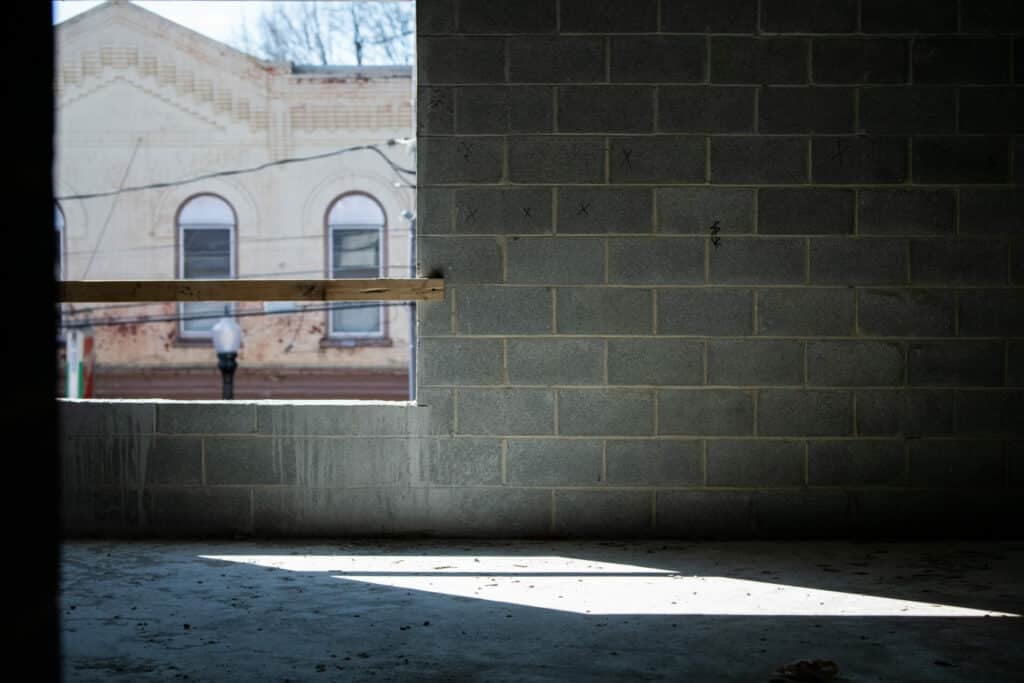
(195, 511)
(993, 312)
(436, 16)
(332, 419)
(993, 16)
(1015, 363)
(761, 260)
(709, 16)
(460, 361)
(907, 110)
(450, 59)
(556, 261)
(605, 109)
(434, 211)
(294, 511)
(934, 514)
(605, 412)
(755, 362)
(434, 318)
(520, 211)
(958, 261)
(531, 109)
(460, 261)
(796, 412)
(503, 310)
(91, 462)
(856, 463)
(805, 312)
(906, 312)
(206, 418)
(695, 210)
(991, 110)
(655, 463)
(605, 210)
(908, 16)
(957, 464)
(906, 212)
(705, 412)
(462, 462)
(603, 310)
(104, 512)
(554, 462)
(805, 110)
(962, 363)
(657, 159)
(961, 60)
(435, 114)
(971, 159)
(565, 59)
(762, 160)
(854, 363)
(440, 403)
(350, 462)
(990, 413)
(464, 159)
(506, 411)
(802, 514)
(608, 16)
(860, 60)
(705, 311)
(703, 514)
(989, 212)
(488, 512)
(656, 260)
(658, 59)
(105, 418)
(246, 460)
(848, 160)
(655, 361)
(526, 16)
(1017, 261)
(706, 109)
(483, 109)
(755, 463)
(1015, 464)
(805, 212)
(910, 413)
(861, 261)
(553, 362)
(808, 16)
(736, 59)
(604, 514)
(556, 159)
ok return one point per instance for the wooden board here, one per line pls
(384, 289)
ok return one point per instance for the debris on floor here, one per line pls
(812, 671)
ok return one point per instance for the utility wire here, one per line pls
(279, 162)
(113, 205)
(210, 316)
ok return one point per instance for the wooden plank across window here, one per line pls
(382, 289)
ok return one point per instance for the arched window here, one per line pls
(58, 226)
(206, 251)
(355, 228)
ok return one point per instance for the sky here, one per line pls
(219, 20)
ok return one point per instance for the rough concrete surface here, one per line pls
(539, 611)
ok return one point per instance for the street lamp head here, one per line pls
(227, 336)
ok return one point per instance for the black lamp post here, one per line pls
(227, 339)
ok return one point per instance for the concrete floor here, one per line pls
(539, 611)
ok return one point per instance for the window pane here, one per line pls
(356, 253)
(355, 209)
(214, 309)
(207, 210)
(365, 319)
(207, 253)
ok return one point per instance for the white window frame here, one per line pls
(232, 258)
(333, 229)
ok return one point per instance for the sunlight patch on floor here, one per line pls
(599, 588)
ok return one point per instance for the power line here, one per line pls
(398, 170)
(140, 320)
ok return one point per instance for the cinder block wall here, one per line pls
(715, 268)
(727, 267)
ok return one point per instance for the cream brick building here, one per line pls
(142, 100)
